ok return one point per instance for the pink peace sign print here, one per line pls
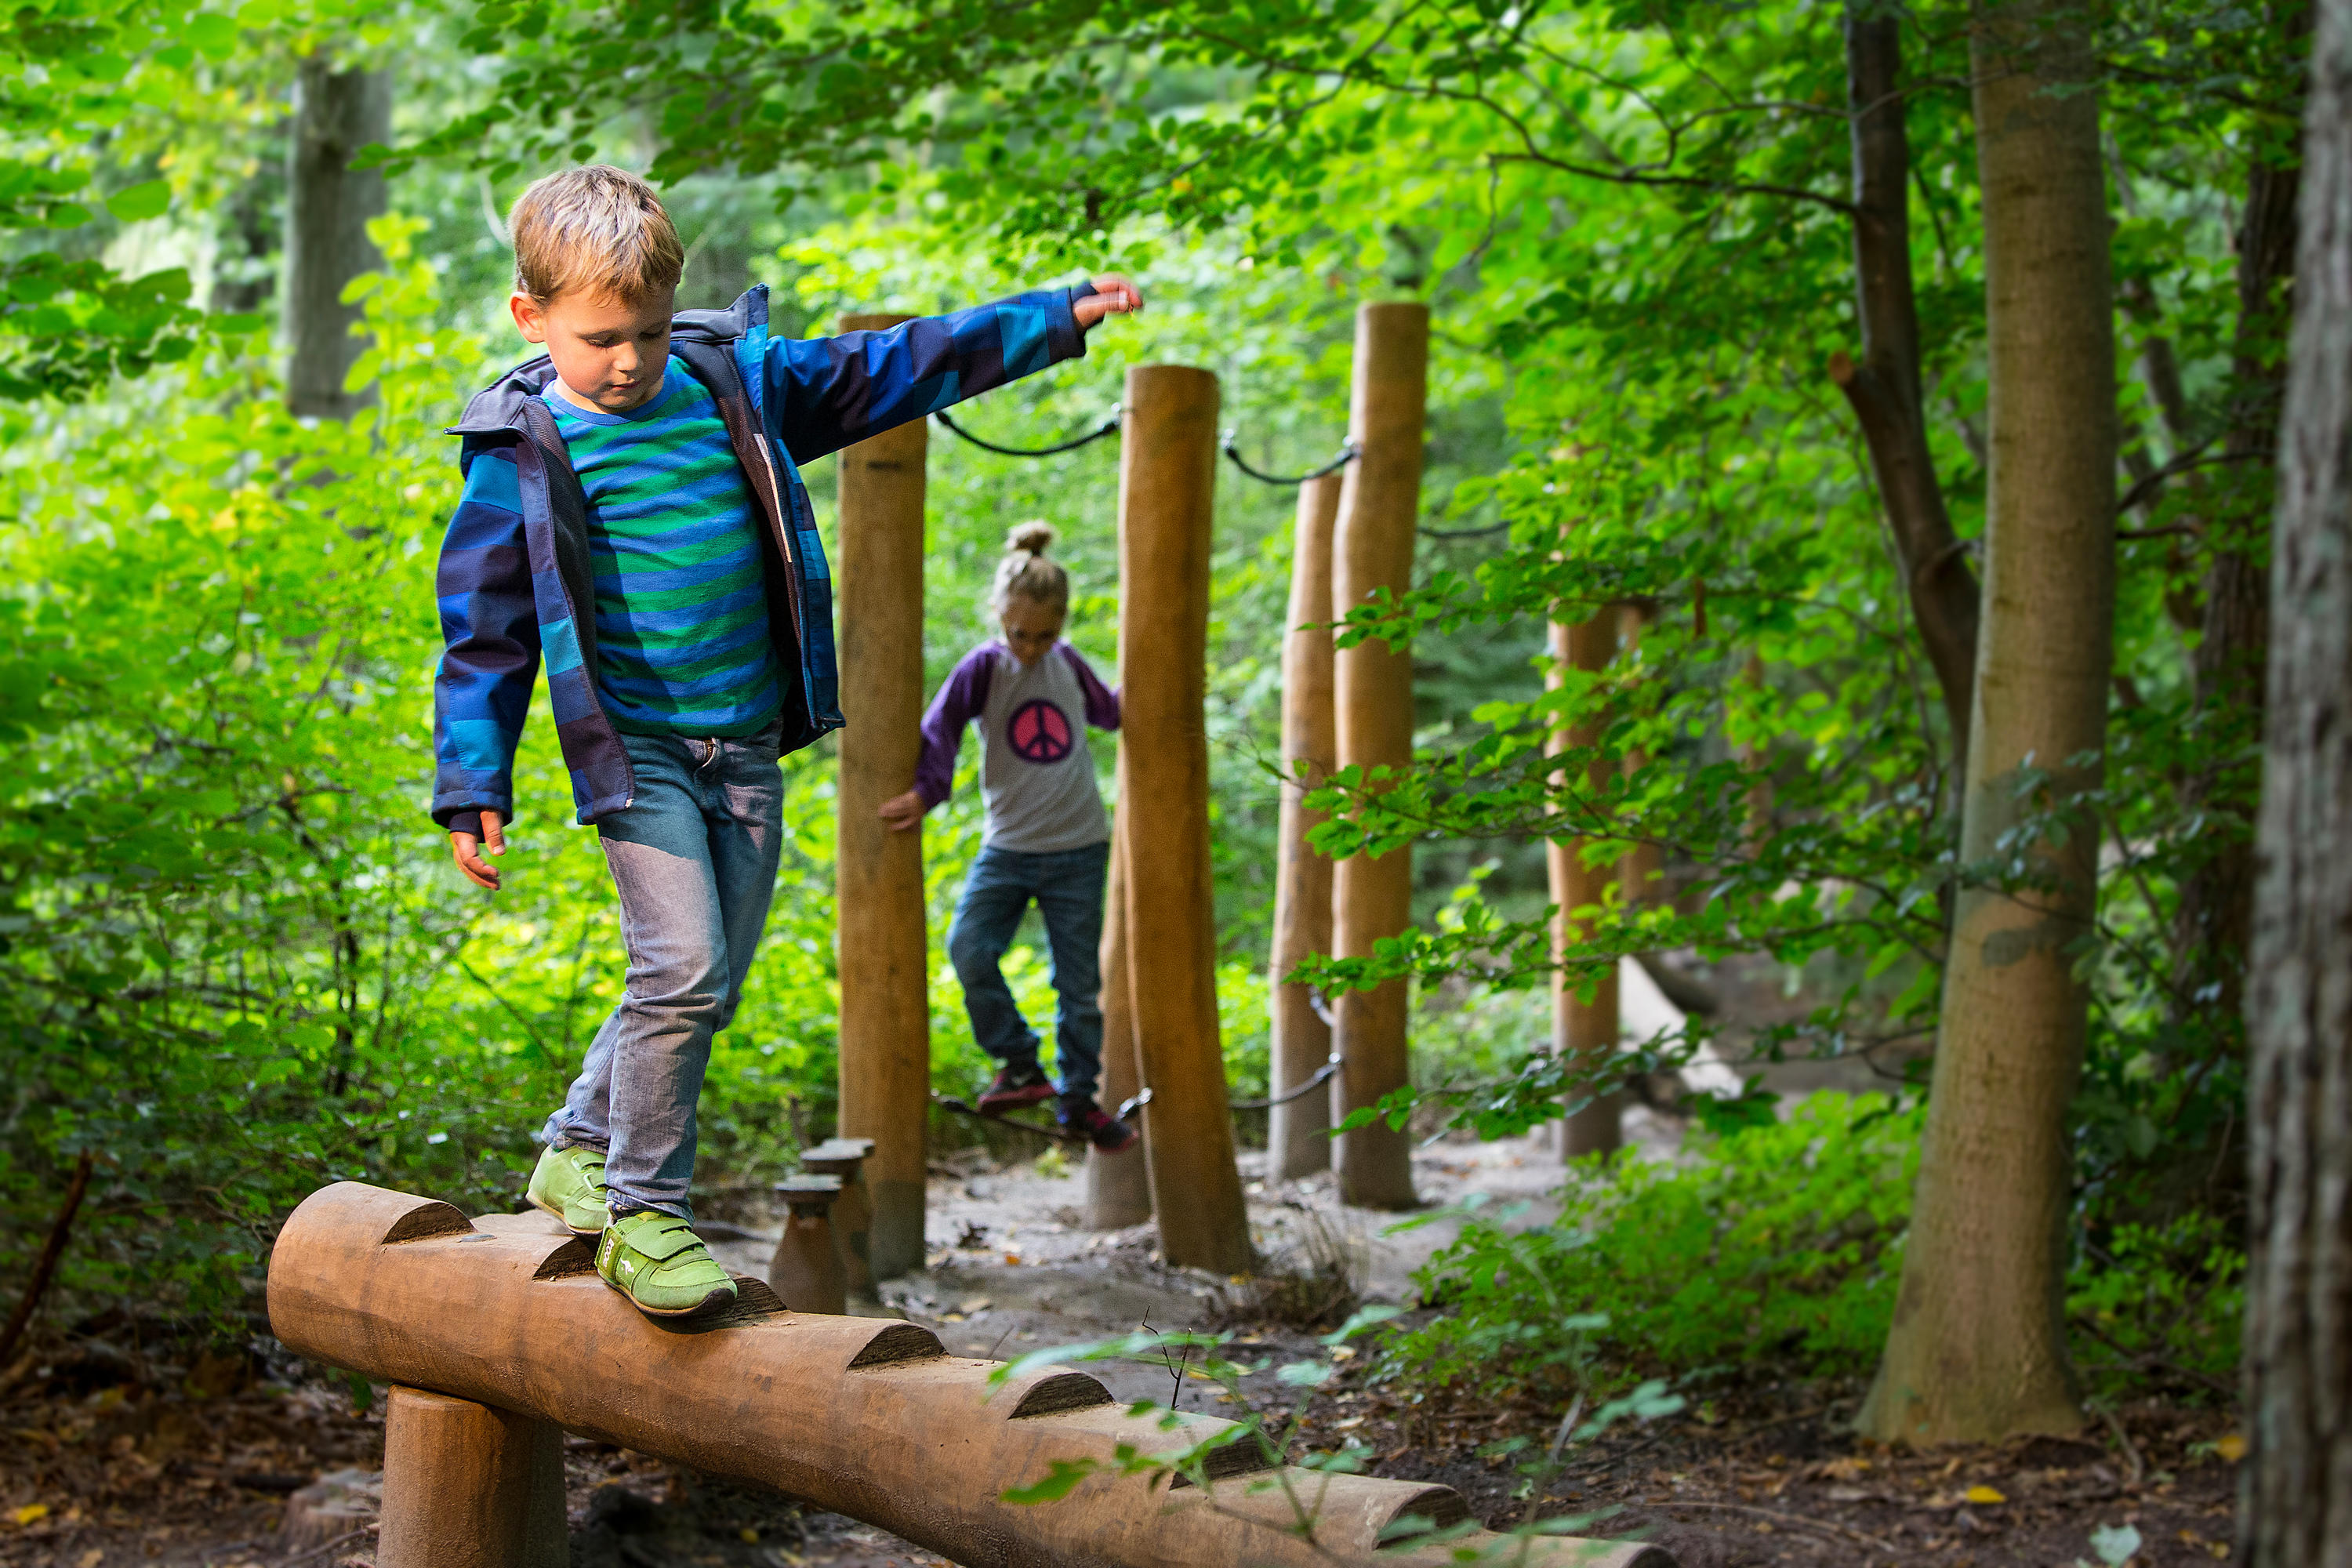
(1040, 732)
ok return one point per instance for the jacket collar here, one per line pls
(499, 407)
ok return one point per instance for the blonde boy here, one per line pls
(633, 518)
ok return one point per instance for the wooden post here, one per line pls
(805, 1272)
(1298, 1142)
(466, 1486)
(1168, 453)
(1119, 1186)
(1582, 1030)
(1379, 503)
(853, 1217)
(886, 1014)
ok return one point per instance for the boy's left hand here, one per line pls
(1114, 295)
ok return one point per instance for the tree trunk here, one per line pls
(2296, 1486)
(1883, 389)
(1978, 1348)
(2215, 920)
(329, 205)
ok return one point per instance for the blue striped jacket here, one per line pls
(514, 585)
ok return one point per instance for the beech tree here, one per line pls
(336, 113)
(2297, 1487)
(1979, 1346)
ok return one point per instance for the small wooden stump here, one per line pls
(806, 1269)
(853, 1216)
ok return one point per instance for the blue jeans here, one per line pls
(694, 857)
(1067, 888)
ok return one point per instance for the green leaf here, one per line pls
(214, 34)
(136, 203)
(1058, 1483)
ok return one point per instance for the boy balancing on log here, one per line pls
(1047, 839)
(634, 516)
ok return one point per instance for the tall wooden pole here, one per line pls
(1119, 1186)
(1298, 1141)
(885, 1016)
(1584, 1029)
(1168, 453)
(1380, 502)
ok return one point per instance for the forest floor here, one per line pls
(114, 1456)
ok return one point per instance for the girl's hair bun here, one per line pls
(1034, 537)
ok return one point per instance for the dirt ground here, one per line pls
(116, 1456)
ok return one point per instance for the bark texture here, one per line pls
(1884, 387)
(1978, 1348)
(329, 205)
(2296, 1484)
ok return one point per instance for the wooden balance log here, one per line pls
(865, 1417)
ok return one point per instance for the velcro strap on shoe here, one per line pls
(661, 1241)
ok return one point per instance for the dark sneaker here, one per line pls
(1106, 1131)
(1017, 1087)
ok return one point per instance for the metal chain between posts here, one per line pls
(1348, 453)
(1110, 423)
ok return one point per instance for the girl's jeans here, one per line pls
(694, 856)
(1067, 886)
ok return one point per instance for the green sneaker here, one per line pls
(656, 1261)
(570, 1185)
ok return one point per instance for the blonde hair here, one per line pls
(1025, 573)
(594, 230)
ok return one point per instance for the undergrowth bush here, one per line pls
(1773, 1242)
(1778, 1244)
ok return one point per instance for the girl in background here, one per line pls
(1047, 839)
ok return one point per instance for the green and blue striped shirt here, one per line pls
(682, 643)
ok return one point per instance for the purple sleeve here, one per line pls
(960, 701)
(1102, 702)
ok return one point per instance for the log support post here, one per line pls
(853, 1216)
(1166, 474)
(1119, 1186)
(1298, 1138)
(1584, 1028)
(469, 1486)
(886, 1017)
(1380, 504)
(805, 1272)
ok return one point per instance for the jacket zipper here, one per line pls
(547, 482)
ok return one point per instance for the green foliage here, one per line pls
(2160, 1302)
(1773, 1244)
(1776, 1244)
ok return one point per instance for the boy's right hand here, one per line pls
(902, 812)
(464, 850)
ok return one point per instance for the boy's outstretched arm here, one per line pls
(835, 390)
(489, 626)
